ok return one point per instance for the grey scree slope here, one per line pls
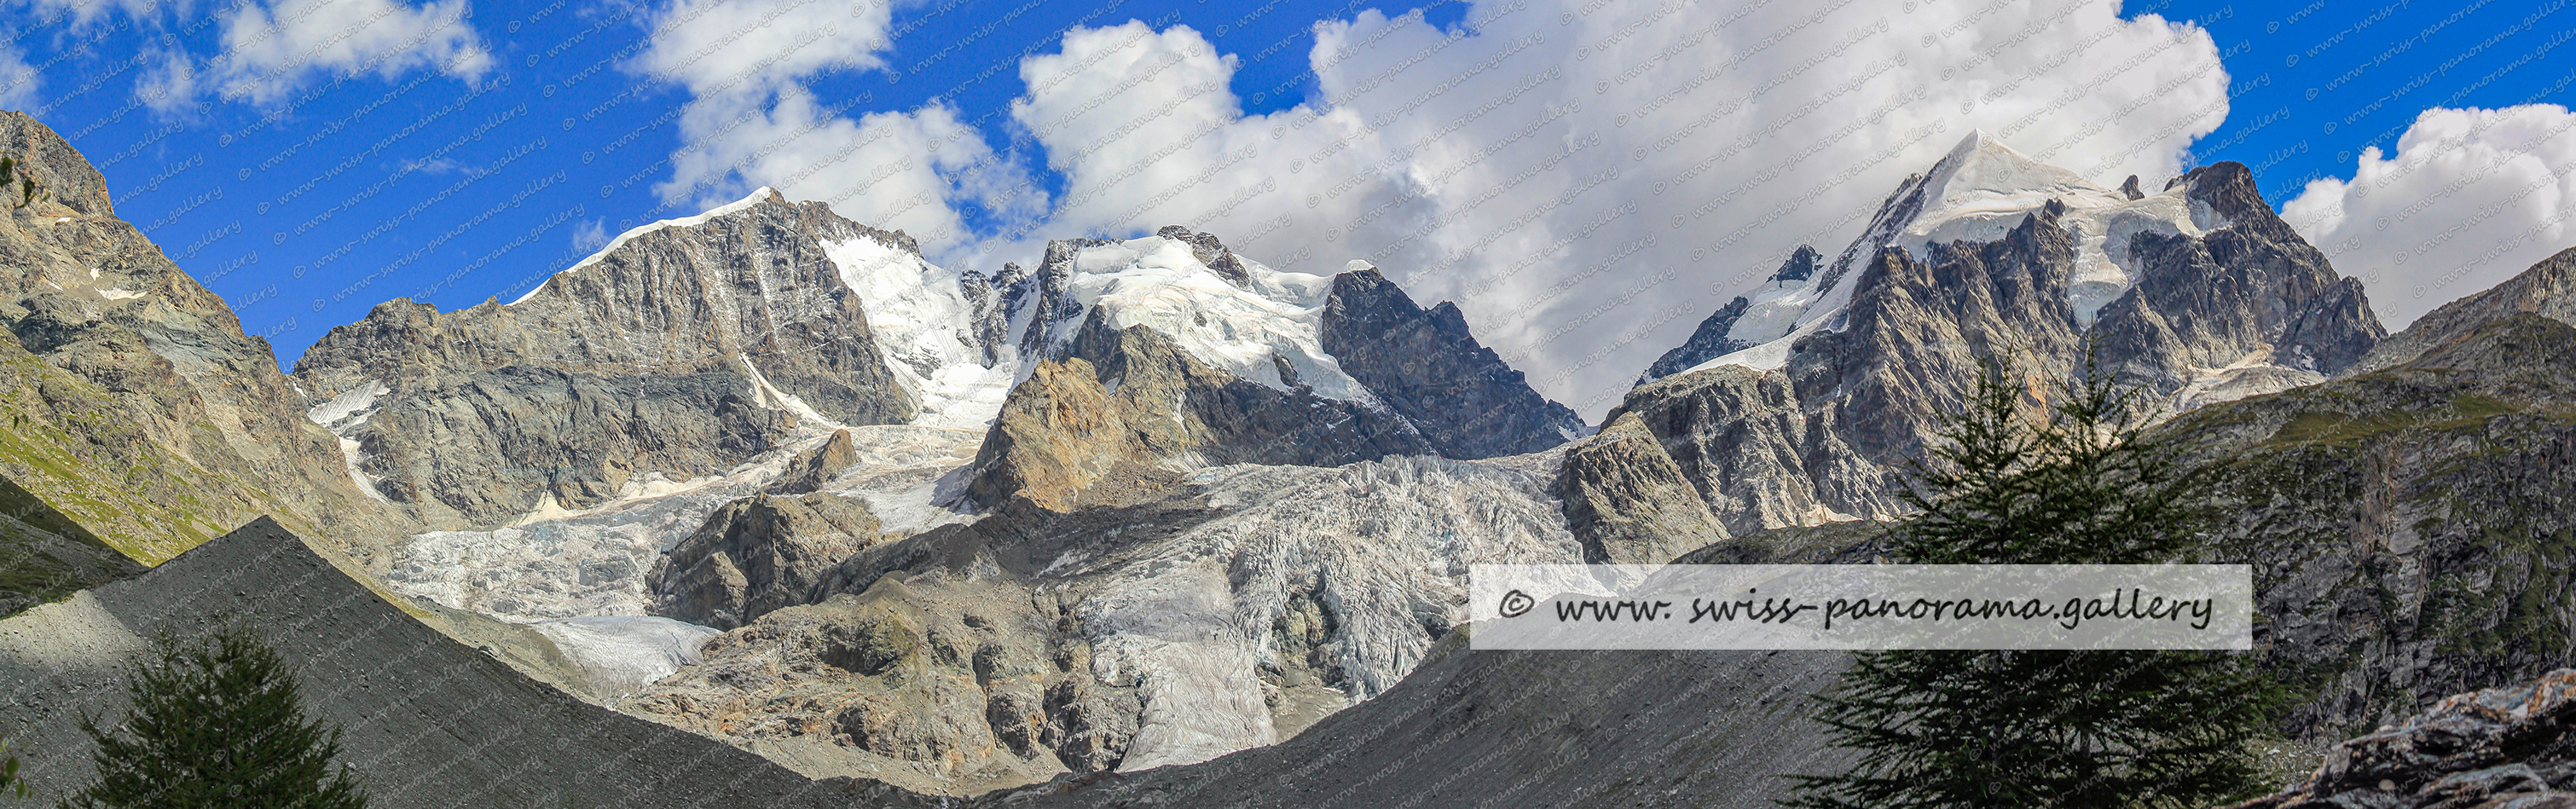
(1507, 729)
(429, 722)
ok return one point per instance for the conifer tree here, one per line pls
(2074, 481)
(218, 723)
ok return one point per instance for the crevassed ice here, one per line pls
(1157, 282)
(926, 328)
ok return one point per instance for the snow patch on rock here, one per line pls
(342, 415)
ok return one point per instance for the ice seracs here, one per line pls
(927, 329)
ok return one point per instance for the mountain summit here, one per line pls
(1795, 403)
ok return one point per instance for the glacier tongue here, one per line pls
(1384, 545)
(593, 563)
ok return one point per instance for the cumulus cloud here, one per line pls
(18, 80)
(752, 121)
(721, 47)
(2470, 198)
(272, 50)
(1589, 180)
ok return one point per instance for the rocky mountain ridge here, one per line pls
(136, 405)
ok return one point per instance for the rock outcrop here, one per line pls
(679, 351)
(757, 555)
(813, 468)
(1132, 397)
(136, 406)
(2512, 747)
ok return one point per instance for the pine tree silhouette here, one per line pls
(2079, 483)
(218, 723)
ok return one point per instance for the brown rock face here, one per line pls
(1628, 502)
(673, 353)
(756, 555)
(815, 467)
(136, 405)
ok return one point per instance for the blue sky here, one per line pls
(308, 159)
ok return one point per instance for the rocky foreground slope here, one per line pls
(134, 403)
(2509, 747)
(429, 722)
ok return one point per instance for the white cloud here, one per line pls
(588, 235)
(751, 121)
(2471, 197)
(888, 169)
(273, 50)
(18, 80)
(1589, 180)
(722, 47)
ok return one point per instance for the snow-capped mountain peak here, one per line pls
(1978, 192)
(1248, 329)
(1983, 189)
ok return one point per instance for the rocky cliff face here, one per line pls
(1425, 366)
(2200, 293)
(138, 407)
(680, 351)
(756, 555)
(1133, 398)
(2409, 527)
